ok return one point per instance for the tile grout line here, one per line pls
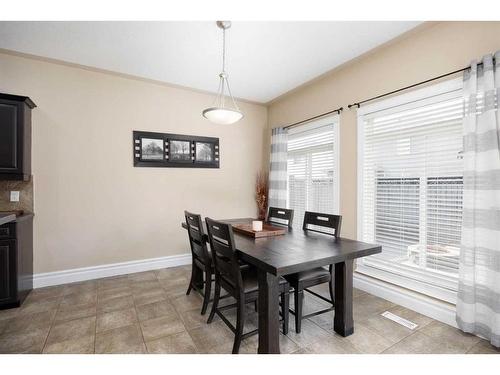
(178, 312)
(96, 304)
(439, 339)
(370, 331)
(404, 338)
(139, 321)
(167, 300)
(135, 309)
(324, 329)
(198, 351)
(52, 323)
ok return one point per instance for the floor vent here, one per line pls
(399, 320)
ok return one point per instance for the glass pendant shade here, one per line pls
(223, 116)
(221, 112)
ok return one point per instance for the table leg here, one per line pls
(268, 313)
(343, 322)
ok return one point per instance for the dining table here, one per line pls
(295, 251)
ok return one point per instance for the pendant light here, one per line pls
(221, 112)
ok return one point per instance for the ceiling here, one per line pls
(264, 61)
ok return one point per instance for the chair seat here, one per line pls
(200, 262)
(319, 274)
(251, 282)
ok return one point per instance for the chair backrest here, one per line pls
(282, 216)
(322, 223)
(224, 256)
(199, 248)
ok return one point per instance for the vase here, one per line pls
(262, 214)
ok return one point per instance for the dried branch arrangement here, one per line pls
(261, 194)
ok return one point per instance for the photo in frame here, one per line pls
(180, 150)
(204, 152)
(152, 149)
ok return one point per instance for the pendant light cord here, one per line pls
(225, 78)
(223, 73)
(223, 50)
(220, 99)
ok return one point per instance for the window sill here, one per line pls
(402, 280)
(421, 303)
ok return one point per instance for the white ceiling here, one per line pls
(265, 59)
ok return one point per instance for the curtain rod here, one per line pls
(338, 110)
(358, 104)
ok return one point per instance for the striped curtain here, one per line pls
(278, 167)
(478, 305)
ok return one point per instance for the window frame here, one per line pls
(443, 287)
(333, 120)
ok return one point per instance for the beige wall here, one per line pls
(92, 207)
(429, 51)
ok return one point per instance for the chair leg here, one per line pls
(207, 291)
(240, 323)
(285, 310)
(215, 304)
(193, 271)
(299, 297)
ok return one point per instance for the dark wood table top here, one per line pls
(297, 250)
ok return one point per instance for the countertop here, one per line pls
(6, 217)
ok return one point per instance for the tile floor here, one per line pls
(149, 313)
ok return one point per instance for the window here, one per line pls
(410, 188)
(312, 168)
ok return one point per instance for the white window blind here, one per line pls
(411, 185)
(312, 168)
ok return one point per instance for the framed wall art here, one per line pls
(166, 150)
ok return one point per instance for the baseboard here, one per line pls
(431, 307)
(89, 273)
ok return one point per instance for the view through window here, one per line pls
(312, 168)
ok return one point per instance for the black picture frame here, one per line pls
(166, 150)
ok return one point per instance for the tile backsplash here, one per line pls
(25, 189)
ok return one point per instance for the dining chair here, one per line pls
(283, 216)
(325, 224)
(201, 259)
(239, 282)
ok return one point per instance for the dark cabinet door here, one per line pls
(10, 137)
(8, 277)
